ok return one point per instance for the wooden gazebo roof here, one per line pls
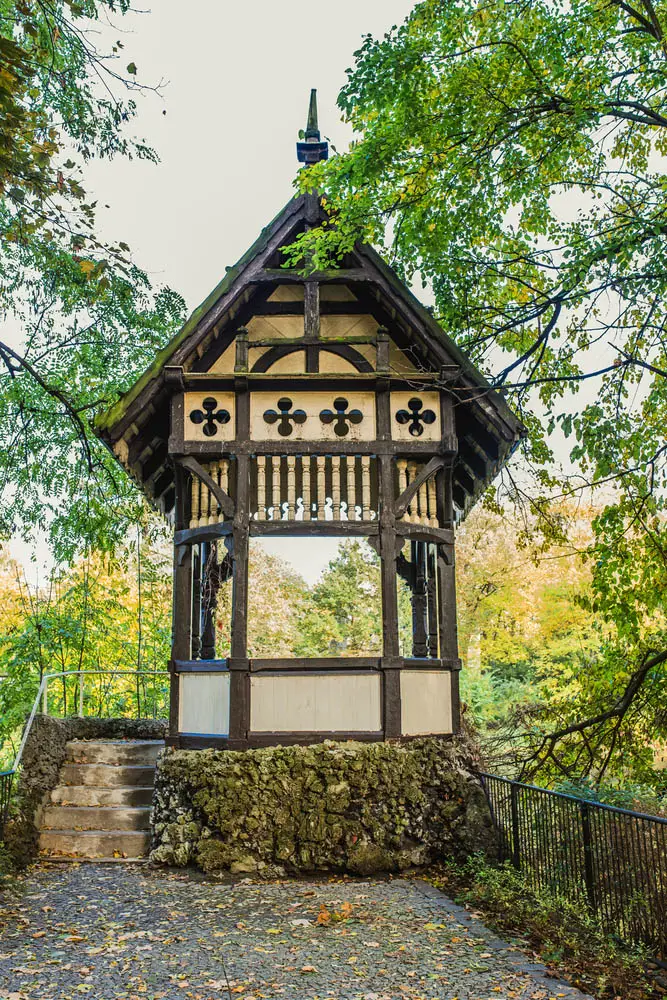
(136, 427)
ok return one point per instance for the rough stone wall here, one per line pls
(43, 757)
(356, 807)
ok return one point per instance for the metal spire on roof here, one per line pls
(312, 149)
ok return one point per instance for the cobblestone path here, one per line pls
(132, 931)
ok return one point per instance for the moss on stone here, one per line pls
(359, 807)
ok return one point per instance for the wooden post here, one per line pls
(241, 362)
(431, 600)
(311, 324)
(239, 688)
(391, 663)
(181, 634)
(419, 634)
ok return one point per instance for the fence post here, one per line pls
(589, 875)
(516, 844)
(45, 697)
(80, 694)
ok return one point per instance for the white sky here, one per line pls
(237, 82)
(237, 79)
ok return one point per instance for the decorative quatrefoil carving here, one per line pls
(284, 418)
(341, 418)
(415, 417)
(210, 416)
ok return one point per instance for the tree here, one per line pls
(110, 614)
(80, 319)
(344, 616)
(512, 155)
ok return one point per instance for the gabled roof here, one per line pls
(488, 430)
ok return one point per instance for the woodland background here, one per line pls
(510, 158)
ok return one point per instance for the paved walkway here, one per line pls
(109, 931)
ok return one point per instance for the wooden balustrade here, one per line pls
(313, 488)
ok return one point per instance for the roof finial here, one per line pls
(312, 150)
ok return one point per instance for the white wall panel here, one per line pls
(426, 702)
(315, 703)
(204, 703)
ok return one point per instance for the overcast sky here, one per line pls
(237, 78)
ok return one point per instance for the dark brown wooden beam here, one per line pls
(283, 276)
(305, 529)
(316, 664)
(297, 309)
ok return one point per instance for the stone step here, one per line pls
(94, 843)
(114, 751)
(96, 818)
(90, 795)
(107, 775)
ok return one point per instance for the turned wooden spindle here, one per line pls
(402, 472)
(275, 489)
(291, 487)
(321, 487)
(365, 487)
(305, 486)
(194, 493)
(335, 486)
(432, 503)
(261, 487)
(351, 462)
(412, 514)
(423, 504)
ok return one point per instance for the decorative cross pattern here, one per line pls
(284, 418)
(341, 418)
(415, 417)
(210, 416)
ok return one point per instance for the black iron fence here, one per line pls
(612, 860)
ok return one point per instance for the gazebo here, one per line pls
(331, 404)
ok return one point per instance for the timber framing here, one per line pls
(311, 405)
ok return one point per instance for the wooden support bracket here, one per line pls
(193, 466)
(401, 504)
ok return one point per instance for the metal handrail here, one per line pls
(42, 698)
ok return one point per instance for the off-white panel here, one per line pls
(348, 326)
(290, 424)
(333, 364)
(287, 293)
(315, 703)
(224, 365)
(336, 293)
(291, 364)
(415, 416)
(209, 416)
(274, 327)
(426, 702)
(204, 704)
(399, 362)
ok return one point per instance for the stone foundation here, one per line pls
(355, 807)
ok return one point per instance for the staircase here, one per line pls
(101, 807)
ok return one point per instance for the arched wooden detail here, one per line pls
(350, 354)
(274, 354)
